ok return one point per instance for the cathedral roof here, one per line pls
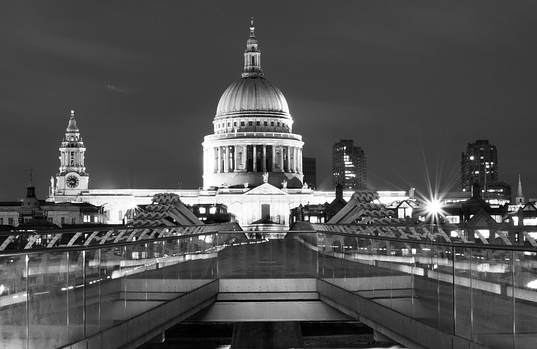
(252, 94)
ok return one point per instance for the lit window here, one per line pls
(452, 219)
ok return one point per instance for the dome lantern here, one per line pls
(252, 56)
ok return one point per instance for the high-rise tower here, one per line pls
(349, 166)
(253, 141)
(479, 165)
(72, 177)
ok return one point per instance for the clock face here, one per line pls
(72, 181)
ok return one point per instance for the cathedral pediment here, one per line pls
(266, 189)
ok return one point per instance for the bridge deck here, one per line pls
(408, 291)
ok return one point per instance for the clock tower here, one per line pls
(72, 178)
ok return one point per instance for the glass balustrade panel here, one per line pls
(48, 305)
(112, 305)
(75, 295)
(524, 292)
(13, 301)
(442, 272)
(492, 306)
(92, 266)
(463, 269)
(135, 274)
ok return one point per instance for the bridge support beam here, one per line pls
(159, 338)
(279, 334)
(380, 337)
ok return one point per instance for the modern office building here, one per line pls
(309, 167)
(349, 166)
(479, 164)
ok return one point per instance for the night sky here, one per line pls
(411, 82)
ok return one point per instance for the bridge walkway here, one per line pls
(421, 294)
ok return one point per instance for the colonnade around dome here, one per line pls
(248, 158)
(254, 158)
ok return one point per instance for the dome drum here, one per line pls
(253, 124)
(255, 136)
(236, 161)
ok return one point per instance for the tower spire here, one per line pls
(72, 148)
(252, 55)
(30, 189)
(519, 196)
(252, 28)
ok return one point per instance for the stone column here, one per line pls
(292, 159)
(300, 170)
(254, 158)
(231, 158)
(226, 159)
(264, 158)
(214, 152)
(297, 162)
(205, 168)
(235, 152)
(244, 156)
(273, 158)
(281, 159)
(219, 159)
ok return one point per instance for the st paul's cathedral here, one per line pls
(252, 163)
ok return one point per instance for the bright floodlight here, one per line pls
(434, 207)
(532, 284)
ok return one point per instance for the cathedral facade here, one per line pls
(252, 163)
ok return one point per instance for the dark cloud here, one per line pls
(411, 82)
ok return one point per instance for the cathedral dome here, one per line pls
(253, 141)
(252, 95)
